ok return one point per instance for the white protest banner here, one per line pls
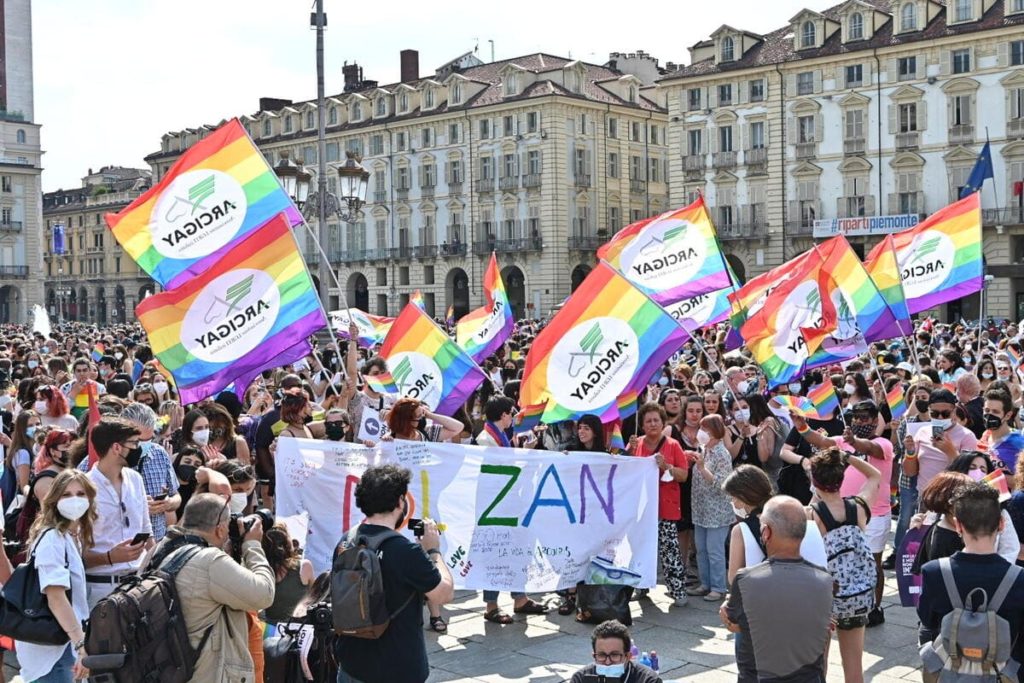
(521, 520)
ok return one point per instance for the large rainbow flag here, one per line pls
(748, 299)
(940, 258)
(235, 319)
(427, 365)
(670, 257)
(883, 268)
(706, 309)
(483, 331)
(372, 329)
(219, 192)
(607, 340)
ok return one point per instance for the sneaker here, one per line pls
(714, 596)
(889, 562)
(699, 590)
(681, 601)
(876, 617)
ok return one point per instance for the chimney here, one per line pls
(353, 75)
(273, 103)
(410, 65)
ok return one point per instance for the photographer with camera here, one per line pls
(217, 592)
(411, 571)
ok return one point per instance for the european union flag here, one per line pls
(981, 172)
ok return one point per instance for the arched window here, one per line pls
(403, 102)
(807, 38)
(632, 93)
(310, 119)
(266, 127)
(727, 49)
(908, 17)
(428, 98)
(21, 136)
(382, 107)
(357, 111)
(332, 116)
(856, 29)
(510, 85)
(456, 93)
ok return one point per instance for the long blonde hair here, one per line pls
(50, 518)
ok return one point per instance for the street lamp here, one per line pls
(294, 179)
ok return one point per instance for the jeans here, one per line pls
(61, 671)
(908, 506)
(492, 596)
(711, 556)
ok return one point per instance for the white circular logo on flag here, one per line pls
(667, 254)
(695, 311)
(592, 364)
(802, 308)
(198, 213)
(231, 316)
(927, 263)
(417, 376)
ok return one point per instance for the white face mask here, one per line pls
(739, 512)
(72, 508)
(944, 424)
(160, 387)
(5, 401)
(663, 381)
(742, 415)
(32, 364)
(850, 389)
(703, 437)
(986, 375)
(39, 407)
(743, 386)
(794, 388)
(238, 503)
(201, 437)
(119, 355)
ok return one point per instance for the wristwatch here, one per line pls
(433, 551)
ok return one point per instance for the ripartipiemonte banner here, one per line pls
(513, 519)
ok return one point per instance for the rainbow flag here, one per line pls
(97, 352)
(940, 258)
(417, 300)
(997, 480)
(626, 404)
(382, 383)
(897, 402)
(607, 340)
(220, 191)
(884, 270)
(801, 405)
(527, 418)
(824, 399)
(427, 365)
(1014, 354)
(704, 310)
(370, 331)
(237, 317)
(670, 257)
(748, 299)
(615, 440)
(483, 331)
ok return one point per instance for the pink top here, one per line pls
(931, 459)
(853, 480)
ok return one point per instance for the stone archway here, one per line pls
(457, 290)
(357, 292)
(10, 304)
(579, 274)
(515, 285)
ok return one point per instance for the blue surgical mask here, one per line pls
(610, 670)
(30, 431)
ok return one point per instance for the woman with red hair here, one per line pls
(53, 408)
(409, 420)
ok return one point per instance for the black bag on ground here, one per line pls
(600, 602)
(24, 610)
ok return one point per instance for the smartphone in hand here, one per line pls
(140, 537)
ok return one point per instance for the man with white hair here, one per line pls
(155, 468)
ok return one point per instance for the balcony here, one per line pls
(531, 180)
(909, 140)
(694, 162)
(519, 244)
(1011, 215)
(485, 185)
(453, 250)
(637, 186)
(806, 150)
(14, 272)
(723, 160)
(961, 134)
(581, 179)
(799, 228)
(373, 255)
(425, 251)
(1015, 128)
(402, 193)
(380, 196)
(404, 252)
(853, 146)
(11, 226)
(740, 231)
(108, 198)
(585, 242)
(427, 191)
(509, 183)
(455, 187)
(353, 256)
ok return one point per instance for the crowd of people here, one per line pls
(776, 517)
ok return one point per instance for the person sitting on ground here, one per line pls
(613, 662)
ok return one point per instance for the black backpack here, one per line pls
(137, 634)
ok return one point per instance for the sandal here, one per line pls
(568, 605)
(531, 607)
(438, 624)
(496, 616)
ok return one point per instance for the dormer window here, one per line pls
(403, 102)
(382, 106)
(510, 85)
(727, 49)
(357, 111)
(267, 128)
(963, 10)
(456, 93)
(632, 94)
(572, 81)
(855, 31)
(310, 119)
(332, 116)
(428, 98)
(807, 34)
(908, 17)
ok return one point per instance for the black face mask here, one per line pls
(335, 430)
(507, 374)
(992, 422)
(922, 406)
(680, 384)
(133, 456)
(185, 473)
(422, 424)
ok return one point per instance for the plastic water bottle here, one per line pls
(654, 660)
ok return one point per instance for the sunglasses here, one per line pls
(940, 414)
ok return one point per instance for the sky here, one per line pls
(112, 76)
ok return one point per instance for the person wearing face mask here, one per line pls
(613, 660)
(187, 463)
(53, 409)
(712, 511)
(929, 451)
(223, 438)
(62, 531)
(337, 425)
(1002, 443)
(195, 433)
(18, 459)
(122, 510)
(985, 372)
(53, 459)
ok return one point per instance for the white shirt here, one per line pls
(59, 563)
(109, 529)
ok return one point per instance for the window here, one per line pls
(400, 141)
(456, 93)
(310, 119)
(961, 110)
(581, 163)
(1017, 6)
(428, 98)
(727, 49)
(805, 83)
(1017, 105)
(906, 68)
(531, 122)
(634, 132)
(631, 95)
(807, 35)
(961, 61)
(485, 129)
(725, 94)
(654, 170)
(426, 137)
(806, 129)
(5, 216)
(382, 107)
(695, 147)
(376, 144)
(333, 151)
(508, 166)
(908, 17)
(267, 128)
(455, 171)
(613, 128)
(357, 111)
(907, 186)
(5, 183)
(533, 162)
(757, 91)
(653, 133)
(428, 175)
(725, 139)
(725, 215)
(854, 124)
(907, 117)
(856, 27)
(693, 99)
(20, 136)
(403, 102)
(332, 116)
(854, 75)
(402, 183)
(636, 168)
(613, 165)
(487, 168)
(757, 135)
(453, 133)
(1017, 53)
(510, 85)
(379, 182)
(963, 10)
(509, 123)
(614, 218)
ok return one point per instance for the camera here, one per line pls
(238, 534)
(416, 527)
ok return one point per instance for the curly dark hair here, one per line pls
(827, 469)
(279, 549)
(611, 629)
(381, 489)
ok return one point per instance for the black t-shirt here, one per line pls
(400, 655)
